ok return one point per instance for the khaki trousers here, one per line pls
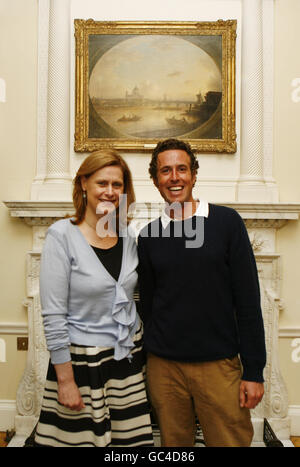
(179, 391)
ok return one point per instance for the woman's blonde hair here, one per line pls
(96, 161)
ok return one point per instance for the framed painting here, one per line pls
(141, 82)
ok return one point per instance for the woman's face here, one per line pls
(103, 189)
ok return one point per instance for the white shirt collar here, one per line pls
(201, 211)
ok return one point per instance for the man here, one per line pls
(200, 303)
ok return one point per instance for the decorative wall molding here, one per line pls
(290, 333)
(20, 329)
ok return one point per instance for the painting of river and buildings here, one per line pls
(140, 82)
(155, 87)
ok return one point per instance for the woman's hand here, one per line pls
(69, 395)
(68, 391)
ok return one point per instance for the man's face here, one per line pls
(174, 177)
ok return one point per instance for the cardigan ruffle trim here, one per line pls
(124, 313)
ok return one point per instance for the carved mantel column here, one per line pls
(252, 92)
(256, 182)
(58, 92)
(53, 180)
(262, 221)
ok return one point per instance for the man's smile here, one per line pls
(176, 188)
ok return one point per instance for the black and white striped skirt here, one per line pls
(116, 409)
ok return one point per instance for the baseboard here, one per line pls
(294, 414)
(7, 414)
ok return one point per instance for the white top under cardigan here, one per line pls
(81, 302)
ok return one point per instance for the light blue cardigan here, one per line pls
(81, 302)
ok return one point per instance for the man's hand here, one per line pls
(251, 393)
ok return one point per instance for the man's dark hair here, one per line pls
(171, 144)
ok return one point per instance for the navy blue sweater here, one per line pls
(202, 304)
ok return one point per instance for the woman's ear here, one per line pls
(83, 182)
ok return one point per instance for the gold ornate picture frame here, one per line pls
(137, 83)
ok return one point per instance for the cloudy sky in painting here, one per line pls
(160, 66)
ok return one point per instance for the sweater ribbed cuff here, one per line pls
(253, 374)
(60, 355)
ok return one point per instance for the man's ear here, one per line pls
(194, 178)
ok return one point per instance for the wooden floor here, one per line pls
(3, 443)
(295, 440)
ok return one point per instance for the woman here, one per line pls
(95, 391)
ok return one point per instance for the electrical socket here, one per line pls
(22, 343)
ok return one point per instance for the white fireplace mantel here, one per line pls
(262, 221)
(30, 211)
